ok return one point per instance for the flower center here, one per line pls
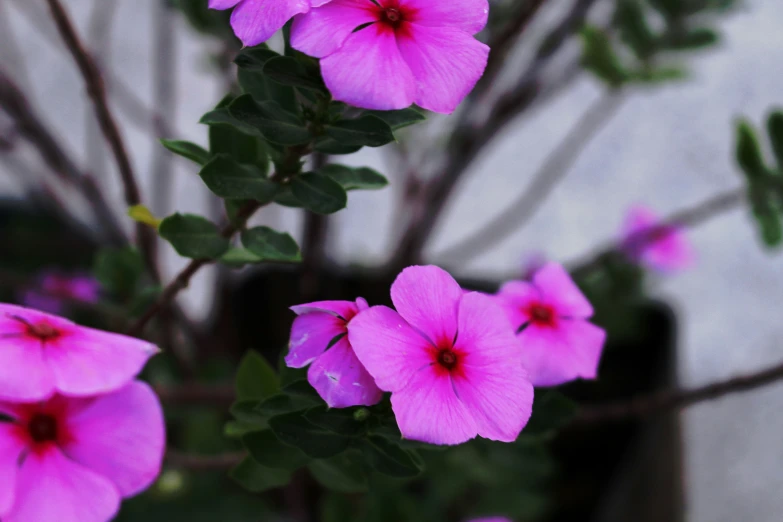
(43, 428)
(43, 331)
(391, 16)
(542, 315)
(447, 358)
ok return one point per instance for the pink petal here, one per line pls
(311, 333)
(427, 297)
(559, 289)
(53, 488)
(387, 346)
(467, 15)
(322, 31)
(427, 409)
(555, 356)
(493, 384)
(446, 63)
(88, 361)
(341, 380)
(515, 298)
(672, 253)
(255, 21)
(368, 71)
(10, 450)
(121, 436)
(344, 309)
(223, 4)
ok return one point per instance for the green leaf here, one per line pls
(340, 421)
(551, 411)
(256, 478)
(329, 145)
(223, 117)
(143, 299)
(228, 179)
(748, 152)
(388, 458)
(254, 58)
(283, 403)
(187, 150)
(271, 245)
(343, 473)
(296, 430)
(290, 71)
(275, 123)
(238, 257)
(599, 57)
(286, 198)
(692, 39)
(355, 178)
(771, 229)
(256, 379)
(262, 88)
(227, 135)
(318, 193)
(658, 75)
(367, 131)
(398, 119)
(248, 412)
(267, 450)
(118, 270)
(775, 130)
(193, 236)
(633, 28)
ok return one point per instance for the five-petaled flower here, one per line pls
(41, 354)
(551, 315)
(255, 21)
(449, 359)
(318, 338)
(389, 54)
(658, 246)
(73, 459)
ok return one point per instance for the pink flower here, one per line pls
(448, 357)
(255, 21)
(318, 338)
(558, 343)
(41, 354)
(53, 288)
(73, 459)
(645, 241)
(388, 54)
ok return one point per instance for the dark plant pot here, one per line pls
(617, 471)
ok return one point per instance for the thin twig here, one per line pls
(554, 170)
(191, 462)
(664, 400)
(97, 92)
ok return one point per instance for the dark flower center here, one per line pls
(43, 331)
(542, 315)
(447, 358)
(391, 16)
(43, 428)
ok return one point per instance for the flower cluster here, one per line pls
(384, 54)
(457, 363)
(77, 432)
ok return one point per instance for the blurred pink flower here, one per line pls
(335, 373)
(53, 289)
(389, 54)
(532, 263)
(73, 459)
(255, 21)
(41, 354)
(659, 247)
(558, 343)
(448, 357)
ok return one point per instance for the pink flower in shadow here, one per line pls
(389, 54)
(73, 459)
(449, 359)
(54, 289)
(659, 247)
(319, 338)
(41, 354)
(551, 315)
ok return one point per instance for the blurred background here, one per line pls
(668, 146)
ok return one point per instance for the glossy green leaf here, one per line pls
(254, 58)
(355, 178)
(267, 450)
(388, 458)
(318, 193)
(275, 123)
(340, 421)
(290, 71)
(256, 379)
(193, 236)
(188, 150)
(283, 403)
(344, 473)
(748, 152)
(238, 257)
(294, 429)
(256, 478)
(400, 118)
(227, 135)
(271, 245)
(286, 198)
(221, 116)
(228, 179)
(262, 88)
(330, 146)
(367, 131)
